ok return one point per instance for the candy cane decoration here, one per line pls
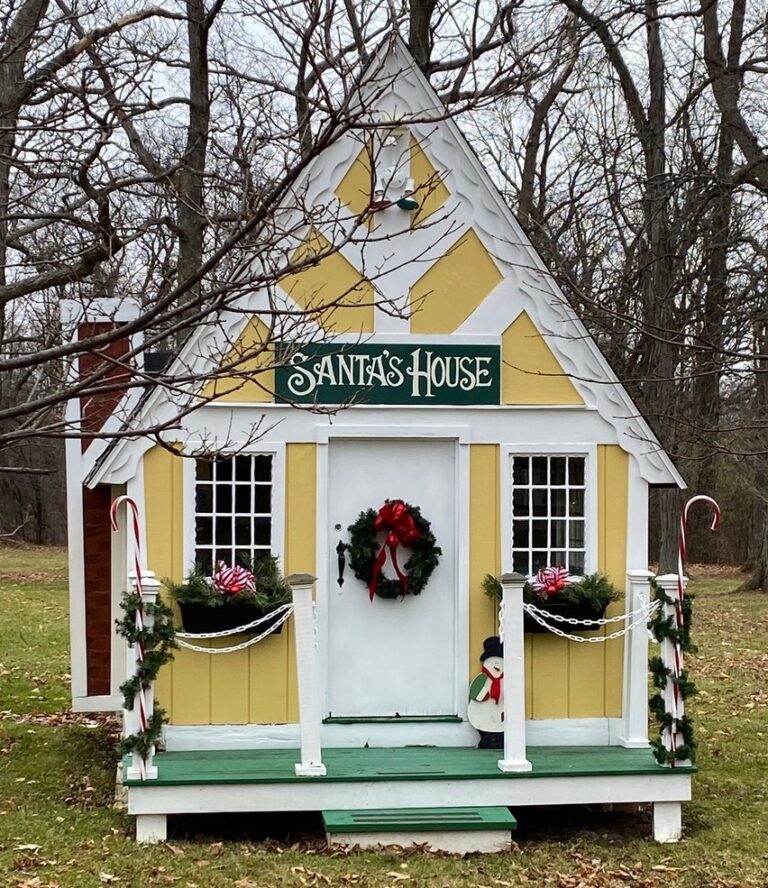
(131, 506)
(677, 664)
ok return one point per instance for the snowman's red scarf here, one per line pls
(495, 691)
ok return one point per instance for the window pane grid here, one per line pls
(233, 509)
(548, 513)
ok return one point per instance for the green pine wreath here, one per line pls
(365, 544)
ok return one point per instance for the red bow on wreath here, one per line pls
(395, 520)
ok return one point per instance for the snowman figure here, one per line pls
(486, 696)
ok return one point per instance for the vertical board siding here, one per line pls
(549, 676)
(163, 521)
(257, 685)
(563, 680)
(612, 520)
(300, 536)
(230, 674)
(484, 545)
(582, 680)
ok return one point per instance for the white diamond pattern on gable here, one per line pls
(394, 256)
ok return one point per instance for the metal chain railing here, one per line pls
(641, 615)
(283, 612)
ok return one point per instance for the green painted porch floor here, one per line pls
(352, 765)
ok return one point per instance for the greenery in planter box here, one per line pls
(271, 588)
(270, 591)
(594, 592)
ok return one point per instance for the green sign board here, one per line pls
(382, 373)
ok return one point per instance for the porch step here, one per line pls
(460, 830)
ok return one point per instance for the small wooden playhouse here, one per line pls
(483, 400)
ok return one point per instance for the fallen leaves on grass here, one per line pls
(35, 882)
(13, 576)
(310, 877)
(594, 873)
(67, 717)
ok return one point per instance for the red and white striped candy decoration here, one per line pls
(232, 580)
(131, 506)
(682, 557)
(550, 580)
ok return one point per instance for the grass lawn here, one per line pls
(59, 825)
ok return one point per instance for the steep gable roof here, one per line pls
(470, 207)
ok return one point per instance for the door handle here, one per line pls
(342, 561)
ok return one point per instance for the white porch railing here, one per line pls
(511, 633)
(633, 628)
(634, 728)
(137, 717)
(311, 764)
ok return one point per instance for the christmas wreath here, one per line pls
(403, 525)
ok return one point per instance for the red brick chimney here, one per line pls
(90, 542)
(98, 319)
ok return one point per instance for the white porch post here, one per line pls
(150, 586)
(311, 764)
(514, 673)
(634, 729)
(676, 708)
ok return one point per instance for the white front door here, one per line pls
(391, 658)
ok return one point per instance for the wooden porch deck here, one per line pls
(351, 765)
(263, 780)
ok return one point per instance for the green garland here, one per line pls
(664, 629)
(159, 642)
(364, 546)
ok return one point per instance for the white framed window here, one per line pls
(237, 508)
(549, 510)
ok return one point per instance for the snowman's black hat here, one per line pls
(492, 647)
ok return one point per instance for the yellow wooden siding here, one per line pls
(562, 679)
(356, 188)
(530, 372)
(431, 192)
(333, 282)
(613, 495)
(250, 374)
(484, 543)
(257, 685)
(300, 549)
(550, 676)
(453, 287)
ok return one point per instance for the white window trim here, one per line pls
(589, 452)
(277, 451)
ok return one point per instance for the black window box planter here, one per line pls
(563, 609)
(199, 618)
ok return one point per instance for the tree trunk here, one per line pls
(419, 35)
(759, 576)
(190, 214)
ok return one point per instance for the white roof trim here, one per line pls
(527, 284)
